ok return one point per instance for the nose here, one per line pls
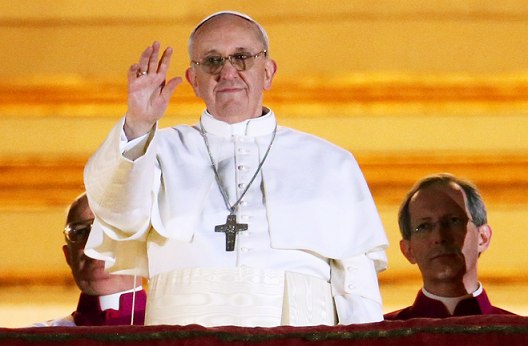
(442, 233)
(228, 70)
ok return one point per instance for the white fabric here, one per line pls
(452, 302)
(239, 296)
(66, 321)
(112, 301)
(156, 212)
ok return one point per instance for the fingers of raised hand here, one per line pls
(148, 61)
(164, 62)
(153, 58)
(134, 72)
(145, 58)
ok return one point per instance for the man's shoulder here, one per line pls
(401, 314)
(178, 135)
(294, 136)
(499, 311)
(182, 128)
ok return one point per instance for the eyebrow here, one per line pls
(237, 50)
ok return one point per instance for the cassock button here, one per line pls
(241, 186)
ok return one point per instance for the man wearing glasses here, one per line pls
(106, 299)
(444, 227)
(236, 220)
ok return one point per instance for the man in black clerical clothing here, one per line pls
(443, 222)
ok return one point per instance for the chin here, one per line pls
(97, 274)
(449, 274)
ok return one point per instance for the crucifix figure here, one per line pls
(231, 228)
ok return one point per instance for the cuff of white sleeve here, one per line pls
(355, 309)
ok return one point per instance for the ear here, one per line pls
(484, 234)
(190, 75)
(405, 248)
(269, 70)
(67, 254)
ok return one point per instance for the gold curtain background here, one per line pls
(410, 87)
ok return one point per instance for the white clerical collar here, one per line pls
(452, 302)
(260, 126)
(111, 301)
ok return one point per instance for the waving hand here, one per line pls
(149, 91)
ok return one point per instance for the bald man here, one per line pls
(105, 299)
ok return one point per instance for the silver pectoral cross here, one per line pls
(231, 228)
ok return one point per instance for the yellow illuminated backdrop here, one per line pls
(410, 87)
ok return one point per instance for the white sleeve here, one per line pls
(355, 288)
(119, 186)
(137, 147)
(121, 179)
(61, 322)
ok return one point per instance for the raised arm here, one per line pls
(149, 91)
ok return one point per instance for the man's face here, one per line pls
(449, 251)
(88, 273)
(230, 95)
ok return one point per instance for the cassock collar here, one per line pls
(260, 126)
(111, 301)
(90, 313)
(452, 302)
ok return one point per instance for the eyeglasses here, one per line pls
(78, 231)
(241, 61)
(454, 223)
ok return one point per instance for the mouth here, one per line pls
(445, 254)
(229, 90)
(437, 257)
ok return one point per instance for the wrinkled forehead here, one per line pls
(438, 198)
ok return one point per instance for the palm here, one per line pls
(148, 91)
(145, 97)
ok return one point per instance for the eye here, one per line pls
(241, 56)
(424, 227)
(213, 61)
(78, 232)
(456, 221)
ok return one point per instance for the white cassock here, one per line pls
(313, 246)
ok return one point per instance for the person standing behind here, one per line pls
(443, 222)
(236, 220)
(105, 299)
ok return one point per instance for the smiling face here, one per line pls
(89, 273)
(230, 95)
(447, 255)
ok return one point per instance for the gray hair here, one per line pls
(474, 201)
(263, 35)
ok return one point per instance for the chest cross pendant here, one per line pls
(231, 228)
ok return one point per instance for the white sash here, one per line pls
(241, 296)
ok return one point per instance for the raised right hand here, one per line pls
(149, 91)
